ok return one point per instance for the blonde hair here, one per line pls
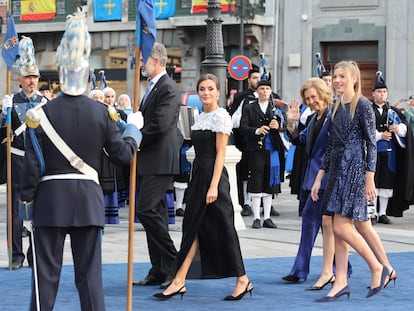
(324, 92)
(352, 71)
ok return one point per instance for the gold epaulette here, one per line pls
(32, 118)
(113, 114)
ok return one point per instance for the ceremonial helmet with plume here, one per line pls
(72, 55)
(26, 63)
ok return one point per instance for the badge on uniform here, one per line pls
(26, 210)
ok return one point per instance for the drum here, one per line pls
(187, 117)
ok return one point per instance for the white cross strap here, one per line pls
(66, 151)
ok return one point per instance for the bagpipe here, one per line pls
(393, 118)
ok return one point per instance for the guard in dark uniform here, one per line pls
(27, 98)
(61, 182)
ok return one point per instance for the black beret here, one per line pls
(44, 87)
(264, 82)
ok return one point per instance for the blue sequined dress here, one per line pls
(351, 152)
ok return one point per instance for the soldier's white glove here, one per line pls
(7, 102)
(136, 119)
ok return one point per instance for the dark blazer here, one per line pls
(315, 152)
(86, 128)
(160, 147)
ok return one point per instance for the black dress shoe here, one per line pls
(247, 210)
(274, 212)
(291, 278)
(16, 265)
(148, 280)
(268, 223)
(179, 212)
(256, 224)
(383, 219)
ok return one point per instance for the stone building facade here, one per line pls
(376, 33)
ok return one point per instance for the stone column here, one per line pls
(233, 156)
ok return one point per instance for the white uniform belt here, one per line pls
(66, 151)
(68, 176)
(16, 151)
(20, 129)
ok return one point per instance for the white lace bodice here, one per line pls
(217, 120)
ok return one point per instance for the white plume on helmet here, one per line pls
(72, 55)
(26, 63)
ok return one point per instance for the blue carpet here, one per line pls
(270, 292)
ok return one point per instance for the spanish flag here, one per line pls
(37, 10)
(200, 6)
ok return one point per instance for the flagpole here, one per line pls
(9, 176)
(144, 40)
(9, 180)
(132, 187)
(133, 180)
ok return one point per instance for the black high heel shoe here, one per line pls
(343, 291)
(376, 290)
(391, 277)
(315, 287)
(165, 297)
(241, 295)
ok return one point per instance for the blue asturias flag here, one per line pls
(146, 29)
(107, 10)
(10, 51)
(164, 8)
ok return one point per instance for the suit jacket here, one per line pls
(315, 152)
(85, 126)
(160, 147)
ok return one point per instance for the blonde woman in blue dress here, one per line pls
(350, 159)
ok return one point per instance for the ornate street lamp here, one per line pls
(214, 62)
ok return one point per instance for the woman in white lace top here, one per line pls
(208, 222)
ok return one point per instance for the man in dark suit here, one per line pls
(61, 182)
(157, 162)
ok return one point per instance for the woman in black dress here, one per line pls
(208, 222)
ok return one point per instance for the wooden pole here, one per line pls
(9, 182)
(132, 185)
